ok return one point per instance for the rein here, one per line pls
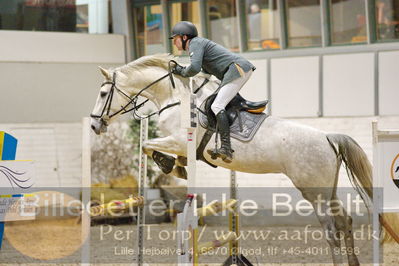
(105, 112)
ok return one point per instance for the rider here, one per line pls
(232, 69)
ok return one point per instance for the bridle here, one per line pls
(105, 112)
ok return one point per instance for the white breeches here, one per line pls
(228, 91)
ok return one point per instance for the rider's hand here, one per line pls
(177, 69)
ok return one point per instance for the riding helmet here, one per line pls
(184, 28)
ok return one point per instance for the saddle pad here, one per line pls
(250, 125)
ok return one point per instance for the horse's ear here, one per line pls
(105, 73)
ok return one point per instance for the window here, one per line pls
(82, 18)
(387, 18)
(149, 29)
(188, 11)
(222, 23)
(263, 24)
(348, 21)
(56, 15)
(303, 23)
(39, 15)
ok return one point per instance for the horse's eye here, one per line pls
(103, 94)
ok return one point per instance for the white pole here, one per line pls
(86, 188)
(192, 147)
(142, 192)
(188, 120)
(234, 226)
(376, 242)
(98, 16)
(377, 184)
(187, 222)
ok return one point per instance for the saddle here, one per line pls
(245, 118)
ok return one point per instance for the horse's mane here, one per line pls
(157, 60)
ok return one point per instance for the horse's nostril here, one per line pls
(93, 127)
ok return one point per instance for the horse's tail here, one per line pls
(359, 172)
(356, 163)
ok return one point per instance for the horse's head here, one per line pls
(146, 77)
(108, 102)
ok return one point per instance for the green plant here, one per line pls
(111, 153)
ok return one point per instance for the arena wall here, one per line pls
(49, 81)
(329, 85)
(53, 77)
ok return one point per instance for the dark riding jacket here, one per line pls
(214, 59)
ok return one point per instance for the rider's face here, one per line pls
(178, 42)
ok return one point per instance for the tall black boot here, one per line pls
(225, 152)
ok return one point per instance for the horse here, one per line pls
(309, 157)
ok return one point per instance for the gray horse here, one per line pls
(309, 157)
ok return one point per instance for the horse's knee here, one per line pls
(340, 222)
(349, 220)
(344, 223)
(331, 229)
(146, 150)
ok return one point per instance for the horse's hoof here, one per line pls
(182, 161)
(164, 162)
(181, 172)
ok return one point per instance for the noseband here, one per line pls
(105, 112)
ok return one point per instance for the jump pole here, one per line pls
(187, 221)
(86, 189)
(142, 191)
(236, 258)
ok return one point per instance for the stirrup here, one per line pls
(213, 153)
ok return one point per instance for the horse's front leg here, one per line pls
(168, 164)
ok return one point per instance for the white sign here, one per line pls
(385, 177)
(386, 166)
(395, 170)
(16, 177)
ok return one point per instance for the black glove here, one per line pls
(177, 69)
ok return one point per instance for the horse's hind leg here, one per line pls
(320, 199)
(180, 172)
(343, 222)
